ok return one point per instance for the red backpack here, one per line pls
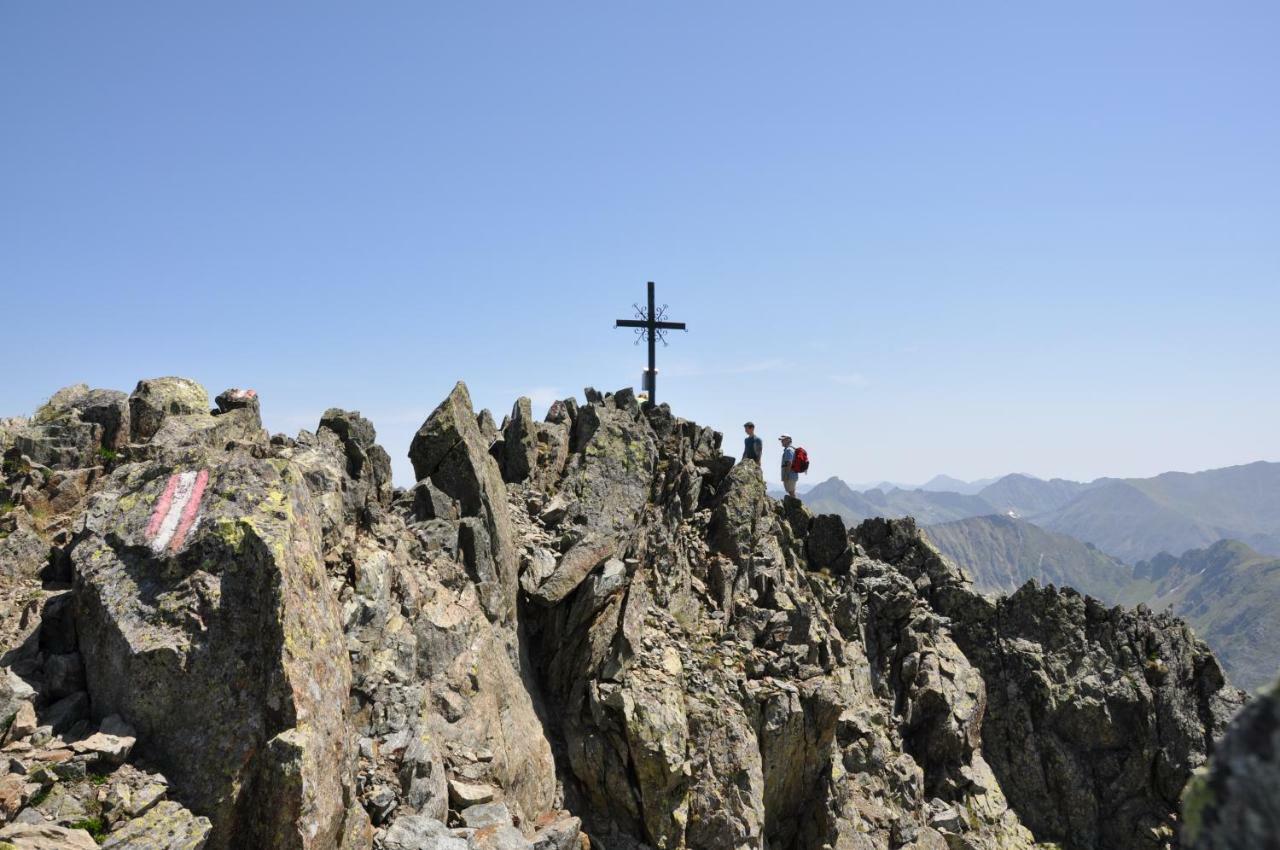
(800, 463)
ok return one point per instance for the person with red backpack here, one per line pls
(795, 460)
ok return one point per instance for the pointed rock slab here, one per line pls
(737, 521)
(519, 449)
(24, 722)
(223, 649)
(573, 568)
(112, 749)
(463, 794)
(450, 451)
(166, 826)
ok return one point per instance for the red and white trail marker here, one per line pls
(177, 512)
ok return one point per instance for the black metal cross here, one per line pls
(650, 326)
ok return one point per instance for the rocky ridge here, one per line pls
(589, 630)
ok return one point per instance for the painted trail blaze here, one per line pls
(177, 510)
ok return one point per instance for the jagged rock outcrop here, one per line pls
(1095, 716)
(594, 624)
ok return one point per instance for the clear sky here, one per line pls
(970, 238)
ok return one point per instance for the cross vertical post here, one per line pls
(651, 325)
(652, 374)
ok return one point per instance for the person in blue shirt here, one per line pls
(753, 446)
(789, 475)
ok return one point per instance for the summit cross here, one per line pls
(650, 325)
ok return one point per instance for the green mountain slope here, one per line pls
(1122, 520)
(1003, 553)
(1231, 596)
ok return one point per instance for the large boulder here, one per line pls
(22, 552)
(608, 477)
(108, 409)
(155, 399)
(182, 431)
(207, 579)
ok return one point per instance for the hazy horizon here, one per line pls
(401, 432)
(982, 240)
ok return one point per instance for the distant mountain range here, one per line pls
(1128, 518)
(1228, 592)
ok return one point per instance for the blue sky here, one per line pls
(965, 238)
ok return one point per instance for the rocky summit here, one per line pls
(590, 631)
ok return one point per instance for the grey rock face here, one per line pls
(23, 553)
(828, 543)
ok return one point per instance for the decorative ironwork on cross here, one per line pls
(651, 325)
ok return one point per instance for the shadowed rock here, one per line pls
(1233, 803)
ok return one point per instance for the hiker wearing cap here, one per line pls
(789, 475)
(753, 446)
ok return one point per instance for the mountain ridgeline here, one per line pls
(593, 630)
(1132, 519)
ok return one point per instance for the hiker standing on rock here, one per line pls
(753, 448)
(789, 475)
